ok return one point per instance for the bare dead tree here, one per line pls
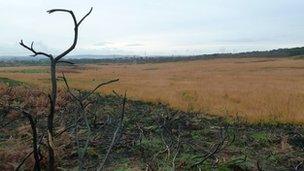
(54, 60)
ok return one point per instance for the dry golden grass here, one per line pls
(256, 89)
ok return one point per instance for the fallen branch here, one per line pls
(177, 152)
(217, 148)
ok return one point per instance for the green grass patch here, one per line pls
(31, 71)
(10, 82)
(150, 69)
(261, 137)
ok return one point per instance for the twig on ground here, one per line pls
(216, 149)
(177, 152)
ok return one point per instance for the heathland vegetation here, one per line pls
(153, 136)
(167, 122)
(186, 114)
(256, 89)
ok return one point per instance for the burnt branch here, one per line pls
(53, 94)
(97, 87)
(31, 48)
(69, 89)
(89, 94)
(76, 25)
(177, 152)
(116, 94)
(85, 16)
(29, 154)
(82, 105)
(115, 135)
(69, 127)
(35, 144)
(297, 167)
(216, 148)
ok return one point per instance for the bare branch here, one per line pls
(35, 145)
(82, 152)
(297, 167)
(35, 53)
(116, 94)
(97, 87)
(216, 149)
(119, 126)
(85, 16)
(76, 25)
(177, 152)
(69, 90)
(64, 10)
(69, 127)
(29, 154)
(80, 100)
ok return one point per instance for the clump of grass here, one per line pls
(150, 69)
(260, 137)
(10, 82)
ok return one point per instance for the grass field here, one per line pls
(257, 89)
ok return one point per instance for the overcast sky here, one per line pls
(153, 27)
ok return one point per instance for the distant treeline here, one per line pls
(9, 63)
(278, 53)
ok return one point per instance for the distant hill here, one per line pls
(277, 53)
(29, 58)
(88, 59)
